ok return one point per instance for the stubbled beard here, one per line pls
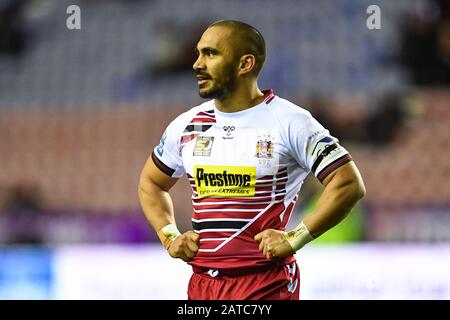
(222, 88)
(213, 93)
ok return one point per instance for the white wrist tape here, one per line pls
(298, 237)
(171, 231)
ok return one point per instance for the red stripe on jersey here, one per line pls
(228, 206)
(280, 197)
(267, 94)
(224, 215)
(260, 184)
(270, 185)
(271, 180)
(203, 120)
(264, 178)
(240, 199)
(258, 193)
(270, 219)
(185, 139)
(280, 187)
(268, 188)
(209, 115)
(259, 197)
(287, 214)
(216, 234)
(281, 174)
(265, 194)
(162, 166)
(209, 245)
(201, 117)
(270, 99)
(333, 166)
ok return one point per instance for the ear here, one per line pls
(246, 64)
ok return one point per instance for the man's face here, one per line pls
(216, 65)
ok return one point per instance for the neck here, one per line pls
(244, 97)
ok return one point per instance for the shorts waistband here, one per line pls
(236, 272)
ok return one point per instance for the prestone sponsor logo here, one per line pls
(225, 181)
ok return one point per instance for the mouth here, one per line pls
(202, 80)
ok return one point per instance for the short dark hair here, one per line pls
(250, 40)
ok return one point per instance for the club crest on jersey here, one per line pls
(203, 146)
(264, 148)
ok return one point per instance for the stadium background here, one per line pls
(81, 110)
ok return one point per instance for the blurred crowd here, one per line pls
(13, 35)
(425, 44)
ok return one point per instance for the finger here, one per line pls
(259, 236)
(268, 253)
(265, 251)
(178, 253)
(194, 236)
(261, 246)
(181, 255)
(189, 254)
(192, 246)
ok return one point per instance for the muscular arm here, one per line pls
(154, 186)
(343, 189)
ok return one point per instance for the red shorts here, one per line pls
(279, 283)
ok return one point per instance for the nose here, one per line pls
(199, 64)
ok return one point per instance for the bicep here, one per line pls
(151, 174)
(345, 174)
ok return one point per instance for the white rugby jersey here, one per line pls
(245, 169)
